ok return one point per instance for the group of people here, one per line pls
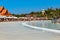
(56, 20)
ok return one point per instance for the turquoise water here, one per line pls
(45, 24)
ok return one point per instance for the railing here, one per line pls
(23, 19)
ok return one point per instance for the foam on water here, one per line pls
(44, 25)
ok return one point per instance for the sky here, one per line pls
(27, 6)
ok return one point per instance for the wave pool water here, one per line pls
(19, 31)
(46, 25)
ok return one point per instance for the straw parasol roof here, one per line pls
(4, 12)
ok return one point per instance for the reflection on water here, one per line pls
(45, 23)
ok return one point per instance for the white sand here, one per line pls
(16, 31)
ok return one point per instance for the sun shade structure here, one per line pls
(4, 12)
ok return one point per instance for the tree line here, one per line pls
(49, 13)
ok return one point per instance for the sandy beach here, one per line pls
(16, 31)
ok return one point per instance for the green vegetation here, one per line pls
(19, 15)
(49, 13)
